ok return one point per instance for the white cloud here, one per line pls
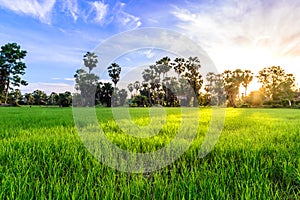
(96, 11)
(124, 18)
(101, 10)
(103, 14)
(69, 79)
(37, 9)
(148, 53)
(71, 6)
(246, 34)
(47, 87)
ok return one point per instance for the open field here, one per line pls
(256, 157)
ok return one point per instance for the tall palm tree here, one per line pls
(130, 88)
(238, 76)
(90, 60)
(247, 78)
(164, 66)
(114, 71)
(179, 66)
(136, 86)
(148, 75)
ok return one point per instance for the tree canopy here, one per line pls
(276, 84)
(12, 68)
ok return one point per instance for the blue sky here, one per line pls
(235, 34)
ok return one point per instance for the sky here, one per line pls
(248, 34)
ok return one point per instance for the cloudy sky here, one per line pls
(235, 34)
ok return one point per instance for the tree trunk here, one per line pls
(6, 92)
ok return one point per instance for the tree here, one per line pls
(53, 98)
(179, 66)
(215, 88)
(164, 66)
(287, 88)
(193, 77)
(114, 71)
(29, 98)
(232, 81)
(86, 84)
(276, 84)
(14, 97)
(11, 68)
(65, 99)
(130, 88)
(247, 77)
(148, 75)
(90, 60)
(106, 94)
(136, 86)
(40, 97)
(123, 96)
(17, 95)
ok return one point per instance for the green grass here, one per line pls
(256, 157)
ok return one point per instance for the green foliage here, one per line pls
(256, 157)
(86, 86)
(104, 94)
(64, 99)
(40, 97)
(160, 89)
(277, 85)
(140, 101)
(122, 94)
(114, 71)
(11, 68)
(90, 60)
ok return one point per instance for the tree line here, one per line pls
(12, 68)
(278, 88)
(186, 87)
(91, 91)
(166, 82)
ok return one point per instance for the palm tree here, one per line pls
(130, 88)
(114, 71)
(106, 94)
(179, 66)
(238, 76)
(136, 86)
(193, 64)
(247, 78)
(148, 75)
(123, 95)
(90, 60)
(164, 66)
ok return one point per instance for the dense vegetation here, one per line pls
(180, 83)
(257, 157)
(184, 87)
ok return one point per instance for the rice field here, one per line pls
(257, 156)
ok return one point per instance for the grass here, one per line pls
(256, 157)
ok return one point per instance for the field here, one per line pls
(257, 157)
